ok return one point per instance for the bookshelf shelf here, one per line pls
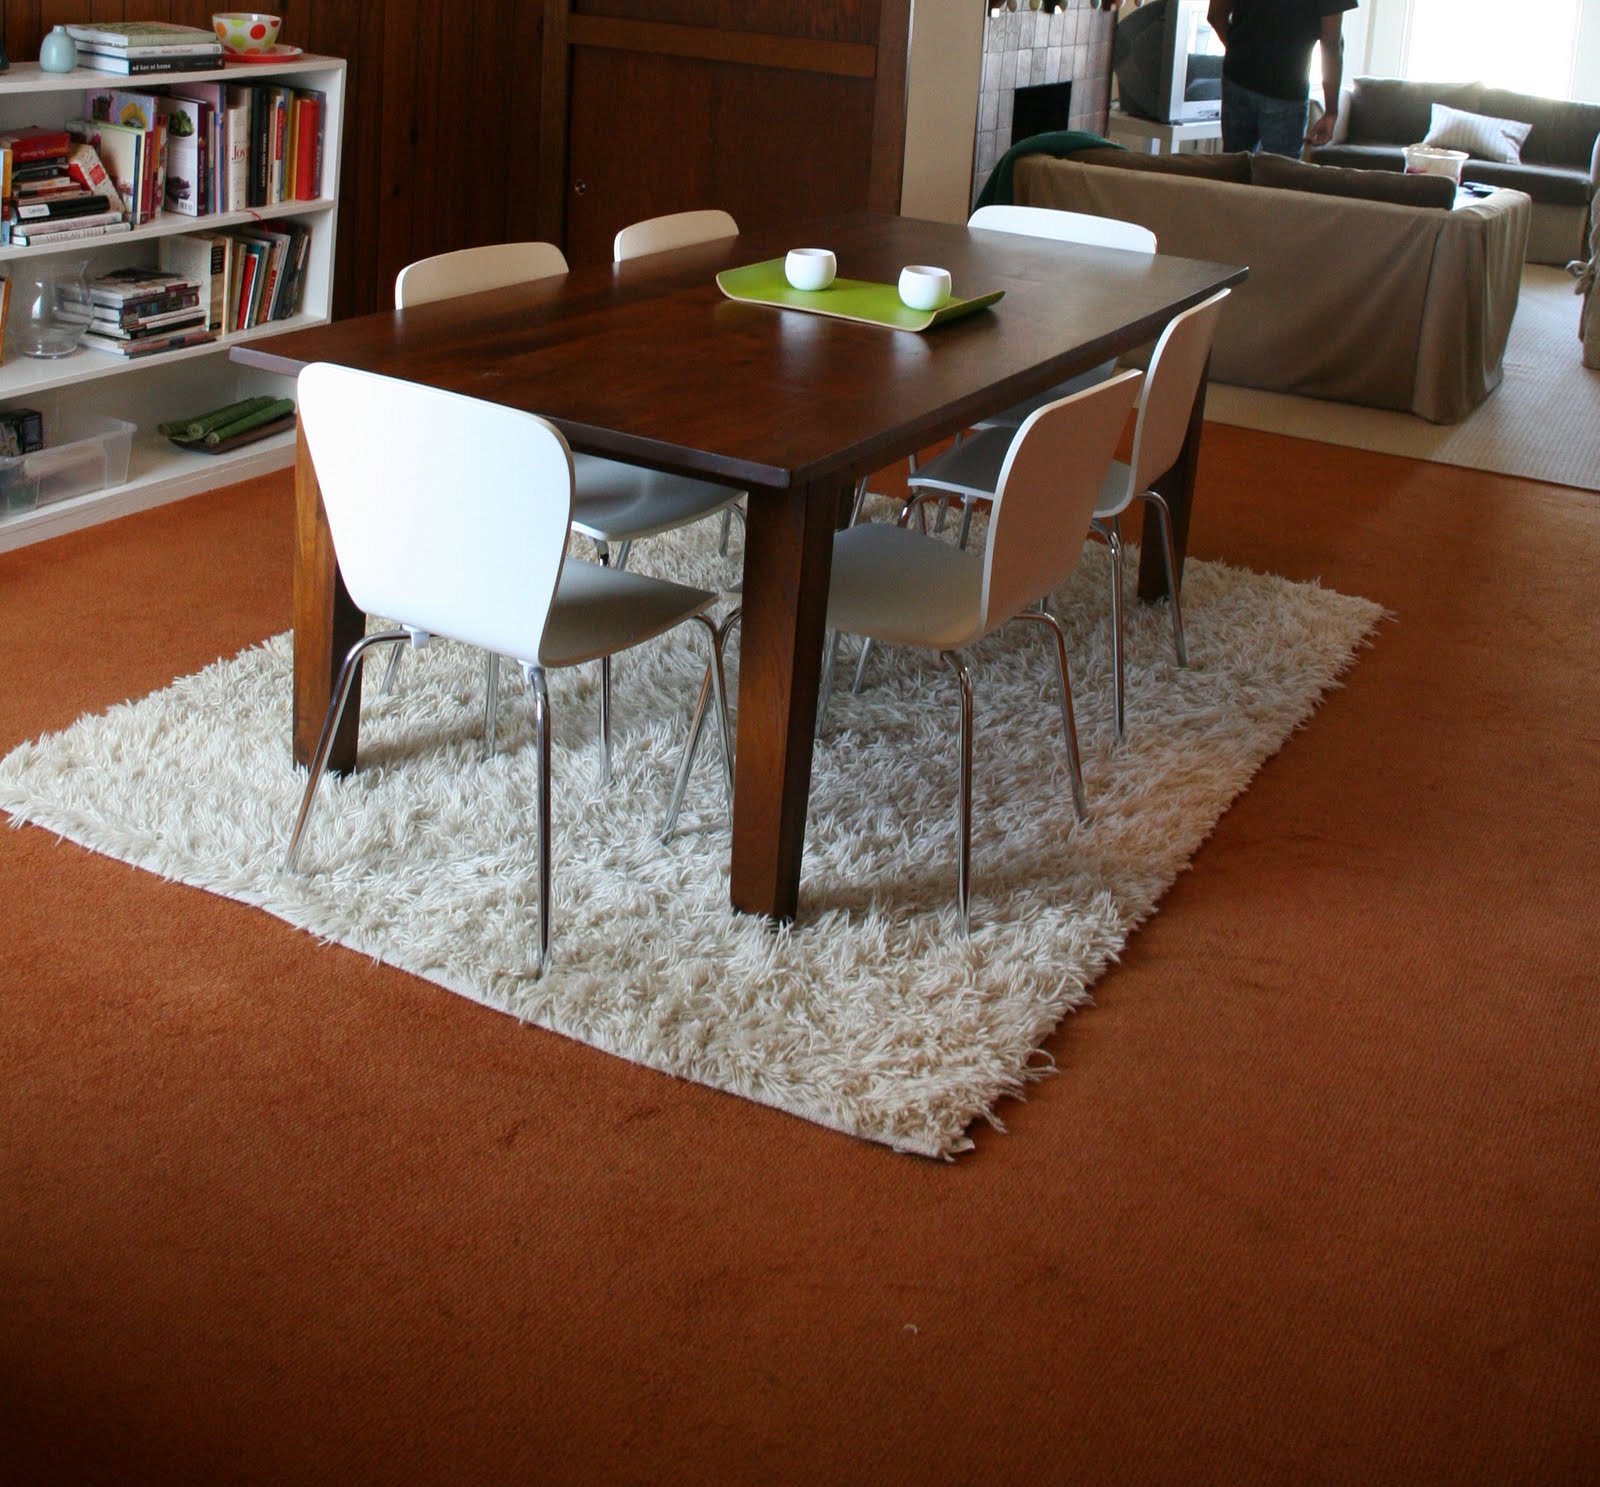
(168, 384)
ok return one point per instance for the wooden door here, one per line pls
(768, 109)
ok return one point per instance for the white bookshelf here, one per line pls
(170, 384)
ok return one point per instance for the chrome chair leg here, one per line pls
(391, 670)
(728, 513)
(1113, 539)
(861, 666)
(1069, 726)
(330, 725)
(830, 658)
(966, 523)
(605, 721)
(491, 703)
(1170, 557)
(714, 683)
(541, 744)
(957, 664)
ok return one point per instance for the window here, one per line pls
(1528, 47)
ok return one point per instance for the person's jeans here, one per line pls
(1252, 120)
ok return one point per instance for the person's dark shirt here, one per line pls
(1270, 44)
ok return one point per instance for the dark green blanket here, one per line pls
(997, 189)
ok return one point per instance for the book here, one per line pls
(143, 66)
(236, 193)
(121, 148)
(188, 125)
(280, 142)
(203, 258)
(308, 136)
(148, 345)
(35, 142)
(131, 312)
(83, 204)
(122, 328)
(67, 232)
(139, 34)
(299, 257)
(85, 166)
(138, 281)
(215, 98)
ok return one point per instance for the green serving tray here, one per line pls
(845, 299)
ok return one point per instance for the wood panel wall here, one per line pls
(443, 111)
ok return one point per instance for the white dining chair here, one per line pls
(662, 235)
(904, 587)
(1056, 225)
(463, 535)
(615, 504)
(972, 469)
(675, 230)
(1063, 227)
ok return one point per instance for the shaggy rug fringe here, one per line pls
(872, 1015)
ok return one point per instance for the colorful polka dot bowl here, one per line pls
(246, 30)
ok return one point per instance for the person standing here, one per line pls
(1266, 70)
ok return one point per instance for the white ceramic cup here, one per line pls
(809, 268)
(923, 287)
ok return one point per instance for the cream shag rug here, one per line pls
(872, 1016)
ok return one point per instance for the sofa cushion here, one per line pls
(1563, 131)
(1480, 135)
(1369, 185)
(1217, 166)
(1361, 157)
(1389, 110)
(1555, 184)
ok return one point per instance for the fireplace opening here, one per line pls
(1040, 109)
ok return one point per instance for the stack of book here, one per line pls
(135, 47)
(138, 311)
(54, 189)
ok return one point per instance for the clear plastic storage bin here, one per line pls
(82, 454)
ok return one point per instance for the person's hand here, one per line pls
(1320, 132)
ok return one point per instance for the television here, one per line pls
(1168, 62)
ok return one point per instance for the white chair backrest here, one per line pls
(473, 270)
(1046, 494)
(448, 514)
(678, 230)
(1066, 227)
(1170, 384)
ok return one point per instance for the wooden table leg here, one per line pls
(1177, 486)
(787, 556)
(326, 624)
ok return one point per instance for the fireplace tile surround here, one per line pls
(1023, 48)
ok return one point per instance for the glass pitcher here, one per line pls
(49, 308)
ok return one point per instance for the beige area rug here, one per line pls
(1541, 423)
(872, 1016)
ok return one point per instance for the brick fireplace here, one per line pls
(1026, 50)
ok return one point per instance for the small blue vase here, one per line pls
(58, 52)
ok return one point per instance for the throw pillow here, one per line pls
(1477, 134)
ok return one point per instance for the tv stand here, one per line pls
(1150, 138)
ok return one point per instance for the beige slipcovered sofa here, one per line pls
(1359, 301)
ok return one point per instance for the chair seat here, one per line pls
(614, 502)
(970, 468)
(902, 588)
(599, 611)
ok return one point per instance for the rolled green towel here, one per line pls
(269, 412)
(198, 426)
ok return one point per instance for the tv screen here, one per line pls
(1168, 62)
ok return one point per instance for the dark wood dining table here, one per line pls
(647, 361)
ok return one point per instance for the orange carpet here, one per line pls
(1313, 1196)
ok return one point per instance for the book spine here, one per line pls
(308, 148)
(30, 148)
(260, 145)
(57, 207)
(26, 239)
(144, 66)
(236, 195)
